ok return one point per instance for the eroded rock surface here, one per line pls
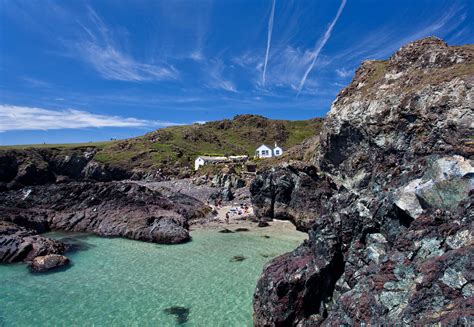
(19, 244)
(389, 207)
(108, 209)
(49, 262)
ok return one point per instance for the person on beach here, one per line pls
(227, 217)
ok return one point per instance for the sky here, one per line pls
(80, 71)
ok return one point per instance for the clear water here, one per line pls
(119, 282)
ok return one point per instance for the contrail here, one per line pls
(269, 39)
(320, 45)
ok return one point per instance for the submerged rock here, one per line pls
(387, 203)
(238, 258)
(181, 313)
(48, 262)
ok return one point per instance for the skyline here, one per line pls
(87, 71)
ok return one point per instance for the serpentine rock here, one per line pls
(389, 207)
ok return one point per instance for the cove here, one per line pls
(207, 282)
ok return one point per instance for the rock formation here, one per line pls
(19, 168)
(21, 244)
(123, 209)
(388, 204)
(49, 262)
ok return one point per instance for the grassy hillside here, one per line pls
(178, 146)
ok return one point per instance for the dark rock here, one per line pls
(387, 203)
(20, 244)
(19, 168)
(238, 258)
(263, 224)
(290, 192)
(225, 231)
(181, 313)
(48, 262)
(224, 194)
(227, 180)
(240, 229)
(107, 209)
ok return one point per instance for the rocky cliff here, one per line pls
(19, 168)
(387, 204)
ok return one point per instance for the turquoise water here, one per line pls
(119, 282)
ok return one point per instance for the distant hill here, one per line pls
(178, 146)
(174, 149)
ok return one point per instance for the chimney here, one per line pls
(276, 144)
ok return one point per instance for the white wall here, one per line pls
(198, 163)
(277, 151)
(264, 152)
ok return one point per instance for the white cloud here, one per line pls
(217, 80)
(115, 65)
(197, 55)
(344, 72)
(14, 118)
(320, 45)
(99, 48)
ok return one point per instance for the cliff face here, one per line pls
(388, 204)
(19, 168)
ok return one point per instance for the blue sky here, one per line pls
(74, 71)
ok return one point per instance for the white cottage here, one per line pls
(264, 151)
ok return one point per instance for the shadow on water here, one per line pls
(181, 313)
(76, 244)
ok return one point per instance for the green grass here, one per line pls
(176, 147)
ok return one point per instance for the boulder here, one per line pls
(19, 244)
(49, 262)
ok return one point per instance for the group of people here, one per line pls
(242, 209)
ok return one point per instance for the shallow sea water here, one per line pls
(119, 282)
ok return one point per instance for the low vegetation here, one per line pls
(177, 147)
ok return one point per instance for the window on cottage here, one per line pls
(277, 151)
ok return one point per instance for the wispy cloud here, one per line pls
(269, 40)
(217, 80)
(99, 48)
(344, 72)
(13, 118)
(34, 82)
(321, 43)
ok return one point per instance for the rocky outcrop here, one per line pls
(291, 192)
(227, 180)
(391, 238)
(19, 168)
(49, 262)
(107, 209)
(19, 244)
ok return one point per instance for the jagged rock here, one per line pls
(107, 209)
(225, 194)
(20, 244)
(290, 192)
(227, 180)
(19, 168)
(49, 262)
(391, 240)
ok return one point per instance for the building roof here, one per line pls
(264, 145)
(208, 158)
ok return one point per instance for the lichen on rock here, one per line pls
(388, 204)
